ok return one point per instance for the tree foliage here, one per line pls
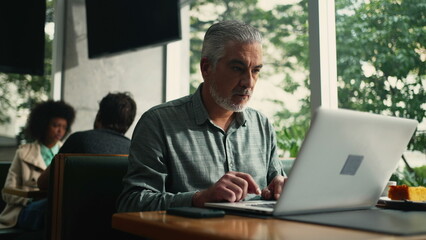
(414, 178)
(381, 51)
(277, 25)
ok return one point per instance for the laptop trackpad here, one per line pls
(376, 220)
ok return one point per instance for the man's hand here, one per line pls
(273, 190)
(231, 187)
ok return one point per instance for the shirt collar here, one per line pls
(54, 149)
(48, 153)
(240, 118)
(201, 114)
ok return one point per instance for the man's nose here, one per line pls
(248, 80)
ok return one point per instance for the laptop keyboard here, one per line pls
(264, 205)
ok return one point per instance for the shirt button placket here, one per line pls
(229, 151)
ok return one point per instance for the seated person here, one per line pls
(115, 115)
(208, 146)
(48, 124)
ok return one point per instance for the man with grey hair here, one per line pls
(209, 146)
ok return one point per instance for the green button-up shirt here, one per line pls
(48, 153)
(177, 150)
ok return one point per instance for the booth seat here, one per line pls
(7, 233)
(82, 196)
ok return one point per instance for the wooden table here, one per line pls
(27, 192)
(159, 225)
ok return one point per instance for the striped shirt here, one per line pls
(177, 150)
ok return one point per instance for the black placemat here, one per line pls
(395, 222)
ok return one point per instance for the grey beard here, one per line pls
(225, 103)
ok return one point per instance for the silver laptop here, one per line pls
(344, 163)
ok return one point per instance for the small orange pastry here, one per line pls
(403, 192)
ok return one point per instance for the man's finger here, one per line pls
(252, 185)
(278, 187)
(237, 192)
(266, 193)
(242, 184)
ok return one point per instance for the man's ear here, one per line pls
(204, 66)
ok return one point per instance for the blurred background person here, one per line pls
(48, 123)
(116, 114)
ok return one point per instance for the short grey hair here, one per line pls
(219, 34)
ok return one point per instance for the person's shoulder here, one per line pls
(169, 109)
(28, 146)
(91, 134)
(254, 116)
(176, 103)
(109, 133)
(25, 149)
(78, 133)
(75, 139)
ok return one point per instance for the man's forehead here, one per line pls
(243, 63)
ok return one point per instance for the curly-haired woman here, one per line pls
(49, 122)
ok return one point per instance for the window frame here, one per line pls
(322, 50)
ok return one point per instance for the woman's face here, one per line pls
(55, 130)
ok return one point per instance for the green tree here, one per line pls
(390, 37)
(277, 25)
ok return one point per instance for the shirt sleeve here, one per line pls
(13, 180)
(145, 182)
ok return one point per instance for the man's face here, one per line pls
(231, 84)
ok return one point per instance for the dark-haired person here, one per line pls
(48, 123)
(116, 114)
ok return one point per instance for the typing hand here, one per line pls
(231, 187)
(273, 190)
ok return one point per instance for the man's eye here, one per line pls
(238, 69)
